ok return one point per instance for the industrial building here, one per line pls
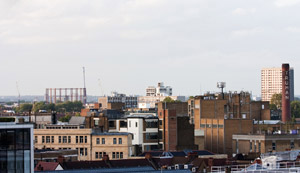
(221, 115)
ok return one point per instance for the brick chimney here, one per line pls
(61, 160)
(148, 156)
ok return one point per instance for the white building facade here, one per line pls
(271, 83)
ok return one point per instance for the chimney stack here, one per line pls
(285, 99)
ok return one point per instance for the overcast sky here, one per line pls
(127, 45)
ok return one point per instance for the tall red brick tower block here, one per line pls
(286, 107)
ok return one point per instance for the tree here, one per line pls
(191, 97)
(295, 109)
(66, 118)
(276, 100)
(170, 100)
(26, 107)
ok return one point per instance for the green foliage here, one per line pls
(273, 107)
(66, 118)
(276, 100)
(191, 97)
(170, 100)
(43, 106)
(69, 106)
(59, 107)
(295, 109)
(25, 107)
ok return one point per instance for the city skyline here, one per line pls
(129, 45)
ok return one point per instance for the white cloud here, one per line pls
(286, 3)
(293, 29)
(247, 32)
(243, 11)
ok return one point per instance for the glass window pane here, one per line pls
(11, 141)
(26, 161)
(19, 160)
(19, 139)
(3, 161)
(11, 160)
(27, 139)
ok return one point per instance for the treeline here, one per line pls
(63, 107)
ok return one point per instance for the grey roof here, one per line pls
(77, 120)
(143, 169)
(97, 132)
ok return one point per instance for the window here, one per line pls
(255, 146)
(259, 147)
(69, 139)
(220, 125)
(113, 155)
(43, 139)
(64, 139)
(151, 124)
(121, 155)
(47, 139)
(273, 145)
(202, 125)
(81, 151)
(59, 139)
(85, 151)
(136, 124)
(85, 139)
(118, 155)
(81, 139)
(250, 146)
(52, 139)
(96, 155)
(76, 139)
(115, 140)
(120, 140)
(98, 140)
(151, 135)
(292, 144)
(36, 139)
(103, 140)
(129, 123)
(160, 122)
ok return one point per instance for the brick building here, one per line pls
(175, 131)
(264, 143)
(222, 115)
(91, 144)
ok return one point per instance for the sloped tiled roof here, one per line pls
(46, 166)
(77, 120)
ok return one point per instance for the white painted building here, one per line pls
(143, 127)
(160, 90)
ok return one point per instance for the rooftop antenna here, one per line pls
(17, 85)
(221, 85)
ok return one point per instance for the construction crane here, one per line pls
(100, 86)
(17, 85)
